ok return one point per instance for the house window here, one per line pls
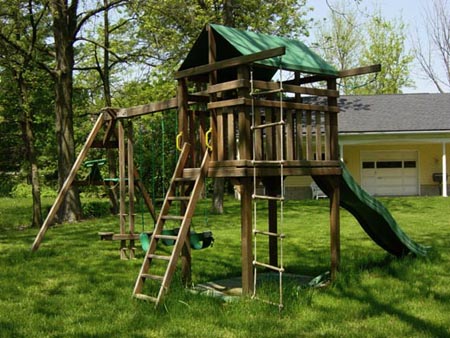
(389, 164)
(368, 165)
(409, 164)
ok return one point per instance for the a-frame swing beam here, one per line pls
(68, 182)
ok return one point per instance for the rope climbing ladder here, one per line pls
(273, 126)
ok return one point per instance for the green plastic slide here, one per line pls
(373, 216)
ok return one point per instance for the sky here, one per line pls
(412, 14)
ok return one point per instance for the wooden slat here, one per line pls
(264, 85)
(299, 136)
(360, 71)
(289, 136)
(278, 136)
(226, 103)
(334, 143)
(309, 150)
(293, 105)
(220, 138)
(258, 139)
(231, 137)
(233, 62)
(270, 137)
(131, 191)
(220, 87)
(123, 237)
(147, 108)
(318, 135)
(327, 137)
(122, 176)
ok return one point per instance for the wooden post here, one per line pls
(335, 183)
(67, 184)
(335, 237)
(212, 52)
(131, 209)
(183, 127)
(122, 186)
(273, 189)
(245, 139)
(246, 235)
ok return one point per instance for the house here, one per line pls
(394, 145)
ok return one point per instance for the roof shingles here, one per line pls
(394, 113)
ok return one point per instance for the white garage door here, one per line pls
(390, 173)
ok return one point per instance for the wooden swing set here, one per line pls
(260, 131)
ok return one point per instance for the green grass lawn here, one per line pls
(76, 286)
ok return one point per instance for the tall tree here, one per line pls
(20, 40)
(386, 45)
(433, 54)
(339, 39)
(67, 23)
(348, 41)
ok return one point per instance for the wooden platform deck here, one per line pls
(245, 168)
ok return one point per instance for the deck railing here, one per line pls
(309, 115)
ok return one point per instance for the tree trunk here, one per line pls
(105, 76)
(218, 193)
(28, 139)
(64, 27)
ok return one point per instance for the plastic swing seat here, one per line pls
(197, 240)
(145, 238)
(201, 240)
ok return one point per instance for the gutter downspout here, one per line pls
(444, 170)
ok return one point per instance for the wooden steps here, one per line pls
(192, 186)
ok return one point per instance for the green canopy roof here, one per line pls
(231, 42)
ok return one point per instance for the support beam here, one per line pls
(335, 235)
(229, 63)
(131, 190)
(360, 71)
(122, 186)
(246, 189)
(272, 185)
(68, 182)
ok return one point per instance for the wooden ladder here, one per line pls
(193, 187)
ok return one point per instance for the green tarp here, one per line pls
(231, 42)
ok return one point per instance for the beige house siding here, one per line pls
(429, 162)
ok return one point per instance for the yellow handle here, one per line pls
(208, 141)
(179, 136)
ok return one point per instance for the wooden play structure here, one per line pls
(234, 122)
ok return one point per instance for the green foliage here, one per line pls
(347, 41)
(169, 28)
(386, 45)
(84, 289)
(95, 208)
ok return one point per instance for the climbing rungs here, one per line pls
(265, 197)
(174, 238)
(184, 179)
(268, 125)
(173, 217)
(268, 233)
(161, 257)
(146, 298)
(179, 198)
(268, 266)
(153, 277)
(267, 92)
(268, 162)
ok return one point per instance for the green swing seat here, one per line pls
(198, 240)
